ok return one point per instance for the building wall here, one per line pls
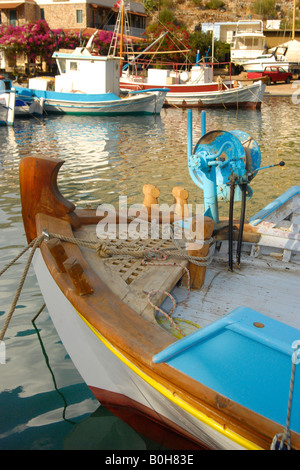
(24, 14)
(65, 15)
(62, 14)
(75, 14)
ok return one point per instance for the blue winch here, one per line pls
(222, 164)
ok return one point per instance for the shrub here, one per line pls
(214, 4)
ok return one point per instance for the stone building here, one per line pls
(73, 15)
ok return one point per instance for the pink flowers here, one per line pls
(36, 39)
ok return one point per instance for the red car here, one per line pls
(277, 74)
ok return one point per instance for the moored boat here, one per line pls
(197, 88)
(259, 63)
(7, 103)
(88, 84)
(216, 372)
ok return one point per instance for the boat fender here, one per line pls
(184, 77)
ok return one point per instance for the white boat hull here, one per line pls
(206, 96)
(246, 95)
(71, 103)
(259, 67)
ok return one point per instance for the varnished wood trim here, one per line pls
(40, 193)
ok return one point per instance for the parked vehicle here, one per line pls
(277, 74)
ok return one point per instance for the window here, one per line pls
(73, 66)
(13, 17)
(42, 13)
(78, 16)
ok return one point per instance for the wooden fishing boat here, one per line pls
(88, 84)
(220, 370)
(197, 88)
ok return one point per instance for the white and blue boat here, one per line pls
(7, 103)
(88, 84)
(192, 334)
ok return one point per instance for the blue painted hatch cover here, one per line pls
(246, 357)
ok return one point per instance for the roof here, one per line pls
(8, 5)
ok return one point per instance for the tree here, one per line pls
(176, 39)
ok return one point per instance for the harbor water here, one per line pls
(44, 404)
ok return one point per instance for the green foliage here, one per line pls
(214, 4)
(179, 38)
(265, 8)
(166, 4)
(203, 42)
(197, 3)
(150, 5)
(166, 16)
(176, 39)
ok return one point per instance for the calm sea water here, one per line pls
(43, 402)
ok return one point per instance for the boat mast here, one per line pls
(294, 20)
(122, 28)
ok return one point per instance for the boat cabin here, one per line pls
(82, 72)
(249, 41)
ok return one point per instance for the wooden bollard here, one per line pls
(205, 226)
(151, 196)
(180, 201)
(58, 252)
(78, 278)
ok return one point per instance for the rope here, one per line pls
(285, 437)
(104, 250)
(161, 262)
(34, 244)
(148, 255)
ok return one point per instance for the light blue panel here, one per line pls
(251, 366)
(54, 95)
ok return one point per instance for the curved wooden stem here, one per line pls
(39, 193)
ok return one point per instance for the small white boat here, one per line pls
(88, 84)
(261, 62)
(7, 103)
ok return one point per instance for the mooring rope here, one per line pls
(161, 261)
(34, 244)
(284, 439)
